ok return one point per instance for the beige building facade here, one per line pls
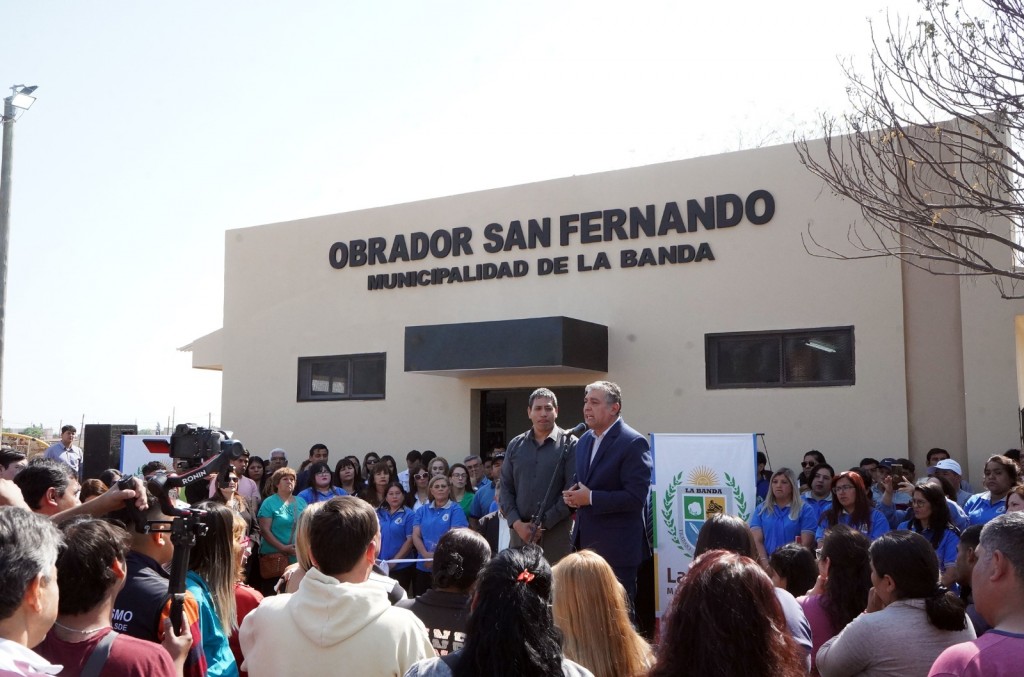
(425, 325)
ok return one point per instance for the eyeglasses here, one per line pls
(229, 480)
(421, 475)
(458, 475)
(808, 464)
(839, 489)
(919, 503)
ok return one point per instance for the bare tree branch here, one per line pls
(947, 198)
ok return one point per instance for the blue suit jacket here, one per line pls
(620, 479)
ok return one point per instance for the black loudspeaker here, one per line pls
(101, 447)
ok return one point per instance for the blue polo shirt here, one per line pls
(482, 500)
(311, 495)
(819, 505)
(946, 550)
(980, 509)
(434, 522)
(394, 530)
(879, 525)
(778, 528)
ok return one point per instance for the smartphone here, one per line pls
(897, 473)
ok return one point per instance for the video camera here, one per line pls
(193, 444)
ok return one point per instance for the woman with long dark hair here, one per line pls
(371, 459)
(377, 482)
(931, 519)
(257, 472)
(319, 486)
(724, 596)
(909, 619)
(419, 490)
(841, 591)
(227, 494)
(727, 532)
(850, 506)
(510, 631)
(346, 476)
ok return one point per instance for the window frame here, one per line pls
(711, 344)
(305, 376)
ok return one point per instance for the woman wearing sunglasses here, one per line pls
(419, 494)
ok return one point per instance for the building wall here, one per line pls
(284, 301)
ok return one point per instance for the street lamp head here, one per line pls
(20, 97)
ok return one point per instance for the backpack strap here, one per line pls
(98, 658)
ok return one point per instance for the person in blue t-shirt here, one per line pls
(783, 517)
(319, 487)
(1001, 474)
(819, 496)
(931, 519)
(396, 523)
(430, 523)
(850, 506)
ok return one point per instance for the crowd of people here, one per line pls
(520, 561)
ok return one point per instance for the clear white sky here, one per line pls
(159, 125)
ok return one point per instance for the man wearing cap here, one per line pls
(950, 470)
(900, 499)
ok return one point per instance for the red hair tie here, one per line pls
(525, 576)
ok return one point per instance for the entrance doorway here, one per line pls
(503, 413)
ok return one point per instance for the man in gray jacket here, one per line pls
(544, 456)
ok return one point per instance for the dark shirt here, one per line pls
(445, 615)
(143, 602)
(527, 473)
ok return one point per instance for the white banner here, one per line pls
(134, 453)
(695, 476)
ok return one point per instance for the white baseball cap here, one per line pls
(946, 464)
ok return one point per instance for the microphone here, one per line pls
(578, 430)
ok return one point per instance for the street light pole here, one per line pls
(19, 98)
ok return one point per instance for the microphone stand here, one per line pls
(544, 503)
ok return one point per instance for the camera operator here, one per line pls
(50, 488)
(143, 604)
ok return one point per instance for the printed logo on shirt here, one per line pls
(444, 517)
(398, 520)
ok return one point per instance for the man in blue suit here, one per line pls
(613, 477)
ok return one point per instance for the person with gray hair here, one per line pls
(544, 456)
(998, 586)
(613, 479)
(29, 545)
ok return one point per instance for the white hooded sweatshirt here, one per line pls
(326, 626)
